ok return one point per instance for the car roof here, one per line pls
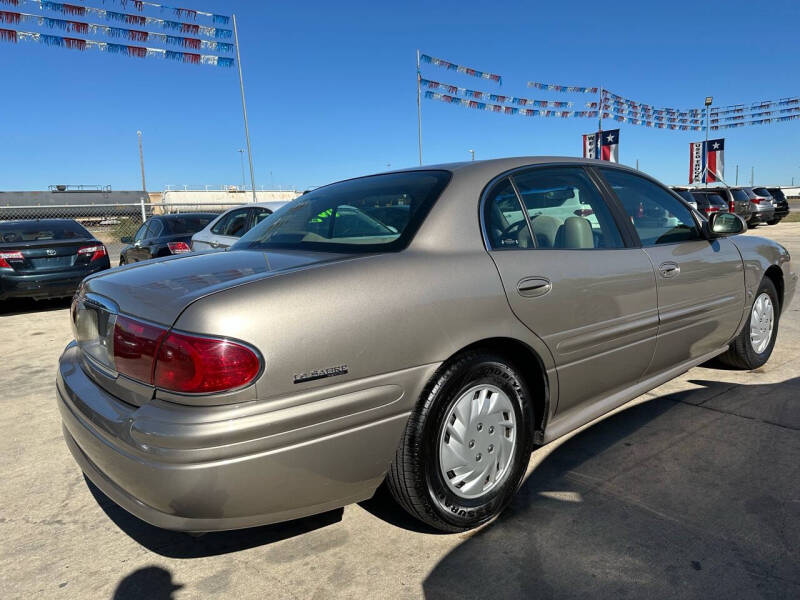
(183, 215)
(41, 221)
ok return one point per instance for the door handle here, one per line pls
(533, 287)
(215, 244)
(669, 270)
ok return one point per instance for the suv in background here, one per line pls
(781, 204)
(686, 194)
(763, 211)
(738, 202)
(709, 202)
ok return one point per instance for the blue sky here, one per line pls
(331, 91)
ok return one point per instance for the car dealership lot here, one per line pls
(694, 493)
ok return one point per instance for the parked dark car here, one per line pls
(763, 210)
(781, 205)
(164, 236)
(47, 258)
(709, 202)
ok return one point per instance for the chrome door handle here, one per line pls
(532, 287)
(214, 244)
(669, 270)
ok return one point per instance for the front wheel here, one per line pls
(466, 445)
(753, 346)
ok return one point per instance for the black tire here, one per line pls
(773, 222)
(752, 225)
(415, 479)
(122, 261)
(741, 354)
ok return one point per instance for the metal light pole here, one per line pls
(241, 156)
(709, 100)
(244, 109)
(141, 161)
(473, 153)
(752, 175)
(737, 174)
(419, 109)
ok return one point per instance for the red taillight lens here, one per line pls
(195, 365)
(755, 200)
(179, 247)
(135, 348)
(98, 251)
(584, 212)
(6, 256)
(732, 206)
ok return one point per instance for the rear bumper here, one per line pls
(42, 286)
(762, 216)
(216, 468)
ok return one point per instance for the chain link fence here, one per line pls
(109, 223)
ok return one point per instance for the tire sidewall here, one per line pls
(463, 513)
(756, 360)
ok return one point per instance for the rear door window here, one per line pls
(566, 210)
(234, 224)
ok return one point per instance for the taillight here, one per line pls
(196, 365)
(711, 209)
(732, 206)
(135, 348)
(755, 200)
(178, 247)
(96, 252)
(584, 212)
(6, 256)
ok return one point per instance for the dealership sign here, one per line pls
(706, 161)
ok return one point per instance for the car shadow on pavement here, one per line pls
(25, 306)
(174, 544)
(668, 498)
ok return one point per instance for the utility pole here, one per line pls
(244, 109)
(141, 161)
(737, 174)
(244, 180)
(473, 153)
(752, 175)
(637, 164)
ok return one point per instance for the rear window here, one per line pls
(36, 231)
(685, 194)
(778, 195)
(762, 192)
(740, 195)
(187, 225)
(380, 213)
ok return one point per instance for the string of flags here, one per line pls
(756, 122)
(742, 108)
(571, 89)
(508, 110)
(453, 89)
(127, 18)
(14, 36)
(134, 35)
(192, 38)
(445, 64)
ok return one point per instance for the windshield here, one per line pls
(380, 213)
(36, 231)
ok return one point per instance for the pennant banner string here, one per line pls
(10, 35)
(508, 110)
(572, 89)
(440, 62)
(741, 108)
(653, 123)
(611, 98)
(129, 19)
(452, 89)
(182, 13)
(134, 35)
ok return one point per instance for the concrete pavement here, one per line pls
(694, 492)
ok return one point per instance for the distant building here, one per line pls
(220, 199)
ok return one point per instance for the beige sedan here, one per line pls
(428, 327)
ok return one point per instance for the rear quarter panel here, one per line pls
(376, 315)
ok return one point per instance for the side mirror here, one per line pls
(725, 224)
(126, 240)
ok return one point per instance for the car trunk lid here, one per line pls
(46, 256)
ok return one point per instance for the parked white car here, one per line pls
(225, 230)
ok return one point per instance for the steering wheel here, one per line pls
(513, 229)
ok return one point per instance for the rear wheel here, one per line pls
(122, 261)
(753, 346)
(773, 222)
(466, 445)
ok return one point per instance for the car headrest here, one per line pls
(577, 233)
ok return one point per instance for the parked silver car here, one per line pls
(428, 327)
(225, 230)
